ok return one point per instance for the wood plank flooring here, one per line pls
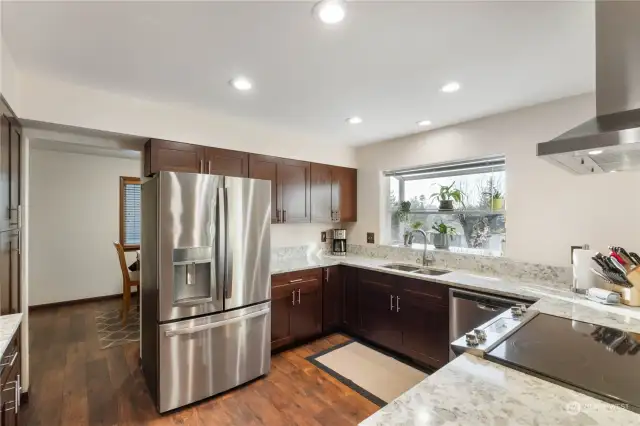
(74, 382)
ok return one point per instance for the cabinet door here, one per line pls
(282, 301)
(306, 315)
(14, 177)
(295, 196)
(266, 168)
(332, 299)
(350, 318)
(321, 194)
(5, 272)
(425, 328)
(171, 156)
(379, 320)
(5, 171)
(226, 162)
(344, 193)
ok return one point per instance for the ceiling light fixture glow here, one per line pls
(354, 120)
(595, 152)
(424, 123)
(330, 11)
(241, 83)
(451, 87)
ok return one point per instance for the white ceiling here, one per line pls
(385, 62)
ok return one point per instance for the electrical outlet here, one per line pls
(323, 237)
(370, 239)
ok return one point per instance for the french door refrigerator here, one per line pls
(205, 283)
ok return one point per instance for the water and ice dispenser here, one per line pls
(193, 275)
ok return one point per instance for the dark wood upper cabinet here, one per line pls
(5, 172)
(266, 167)
(226, 162)
(321, 194)
(332, 297)
(333, 194)
(290, 186)
(161, 155)
(295, 191)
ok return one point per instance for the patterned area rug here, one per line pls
(111, 331)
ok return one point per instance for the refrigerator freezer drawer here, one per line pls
(208, 355)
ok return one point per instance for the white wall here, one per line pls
(73, 221)
(548, 209)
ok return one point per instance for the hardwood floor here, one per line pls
(74, 382)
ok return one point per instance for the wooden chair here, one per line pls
(127, 282)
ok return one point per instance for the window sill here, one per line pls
(130, 248)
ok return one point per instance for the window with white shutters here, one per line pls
(130, 212)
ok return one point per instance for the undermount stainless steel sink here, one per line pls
(401, 267)
(432, 271)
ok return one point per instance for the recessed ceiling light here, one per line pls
(454, 86)
(613, 171)
(330, 11)
(595, 152)
(241, 83)
(354, 120)
(423, 123)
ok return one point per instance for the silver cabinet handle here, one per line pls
(13, 359)
(201, 166)
(18, 391)
(397, 303)
(391, 297)
(293, 298)
(278, 215)
(204, 327)
(297, 280)
(284, 215)
(209, 169)
(326, 278)
(298, 296)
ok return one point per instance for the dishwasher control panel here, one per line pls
(490, 334)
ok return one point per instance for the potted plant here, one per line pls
(447, 195)
(441, 237)
(402, 214)
(415, 225)
(497, 200)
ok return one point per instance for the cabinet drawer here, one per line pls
(437, 293)
(10, 359)
(296, 277)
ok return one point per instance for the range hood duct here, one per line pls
(610, 141)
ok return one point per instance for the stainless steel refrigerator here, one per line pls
(205, 283)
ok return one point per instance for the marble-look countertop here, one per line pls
(551, 298)
(473, 391)
(8, 326)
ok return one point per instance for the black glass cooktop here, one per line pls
(598, 361)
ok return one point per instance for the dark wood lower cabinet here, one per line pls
(296, 307)
(406, 316)
(10, 379)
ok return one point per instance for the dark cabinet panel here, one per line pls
(161, 155)
(295, 191)
(321, 193)
(379, 320)
(350, 318)
(266, 168)
(425, 328)
(5, 172)
(344, 193)
(14, 176)
(306, 315)
(282, 301)
(226, 162)
(332, 298)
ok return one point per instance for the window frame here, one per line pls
(126, 180)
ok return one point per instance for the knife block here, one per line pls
(628, 296)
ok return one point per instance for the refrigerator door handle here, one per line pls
(196, 329)
(222, 239)
(228, 258)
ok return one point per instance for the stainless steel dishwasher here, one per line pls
(468, 310)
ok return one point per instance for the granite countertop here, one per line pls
(8, 326)
(474, 391)
(551, 298)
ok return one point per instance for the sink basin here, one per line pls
(431, 271)
(401, 267)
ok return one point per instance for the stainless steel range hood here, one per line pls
(610, 141)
